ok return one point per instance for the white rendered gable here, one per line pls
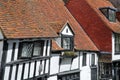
(66, 30)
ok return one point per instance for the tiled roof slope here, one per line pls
(23, 19)
(55, 46)
(95, 24)
(57, 14)
(34, 18)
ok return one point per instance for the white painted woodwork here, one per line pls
(52, 78)
(75, 64)
(37, 72)
(25, 76)
(65, 64)
(54, 63)
(114, 57)
(19, 74)
(9, 52)
(6, 75)
(66, 30)
(47, 66)
(31, 69)
(43, 64)
(13, 73)
(45, 47)
(85, 73)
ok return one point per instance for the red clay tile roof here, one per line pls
(23, 19)
(58, 12)
(33, 18)
(55, 46)
(96, 25)
(96, 4)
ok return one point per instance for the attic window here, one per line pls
(109, 13)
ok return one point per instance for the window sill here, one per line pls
(117, 53)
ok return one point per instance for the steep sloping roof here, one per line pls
(34, 18)
(55, 46)
(58, 12)
(95, 24)
(96, 4)
(23, 19)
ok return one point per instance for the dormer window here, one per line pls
(67, 42)
(67, 37)
(109, 13)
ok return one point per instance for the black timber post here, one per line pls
(3, 60)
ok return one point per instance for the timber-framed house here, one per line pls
(98, 19)
(25, 42)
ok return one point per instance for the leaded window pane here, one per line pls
(27, 50)
(109, 14)
(66, 43)
(112, 15)
(117, 43)
(37, 49)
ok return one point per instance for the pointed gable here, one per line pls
(66, 30)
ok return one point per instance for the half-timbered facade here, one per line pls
(73, 52)
(98, 19)
(25, 44)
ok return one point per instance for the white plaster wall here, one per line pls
(54, 64)
(75, 63)
(85, 70)
(52, 78)
(65, 64)
(85, 73)
(9, 52)
(114, 57)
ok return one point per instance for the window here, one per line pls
(93, 60)
(109, 13)
(67, 42)
(31, 49)
(117, 44)
(84, 59)
(72, 76)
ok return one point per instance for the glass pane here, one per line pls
(117, 43)
(66, 43)
(27, 50)
(37, 49)
(93, 59)
(112, 15)
(105, 12)
(84, 59)
(63, 78)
